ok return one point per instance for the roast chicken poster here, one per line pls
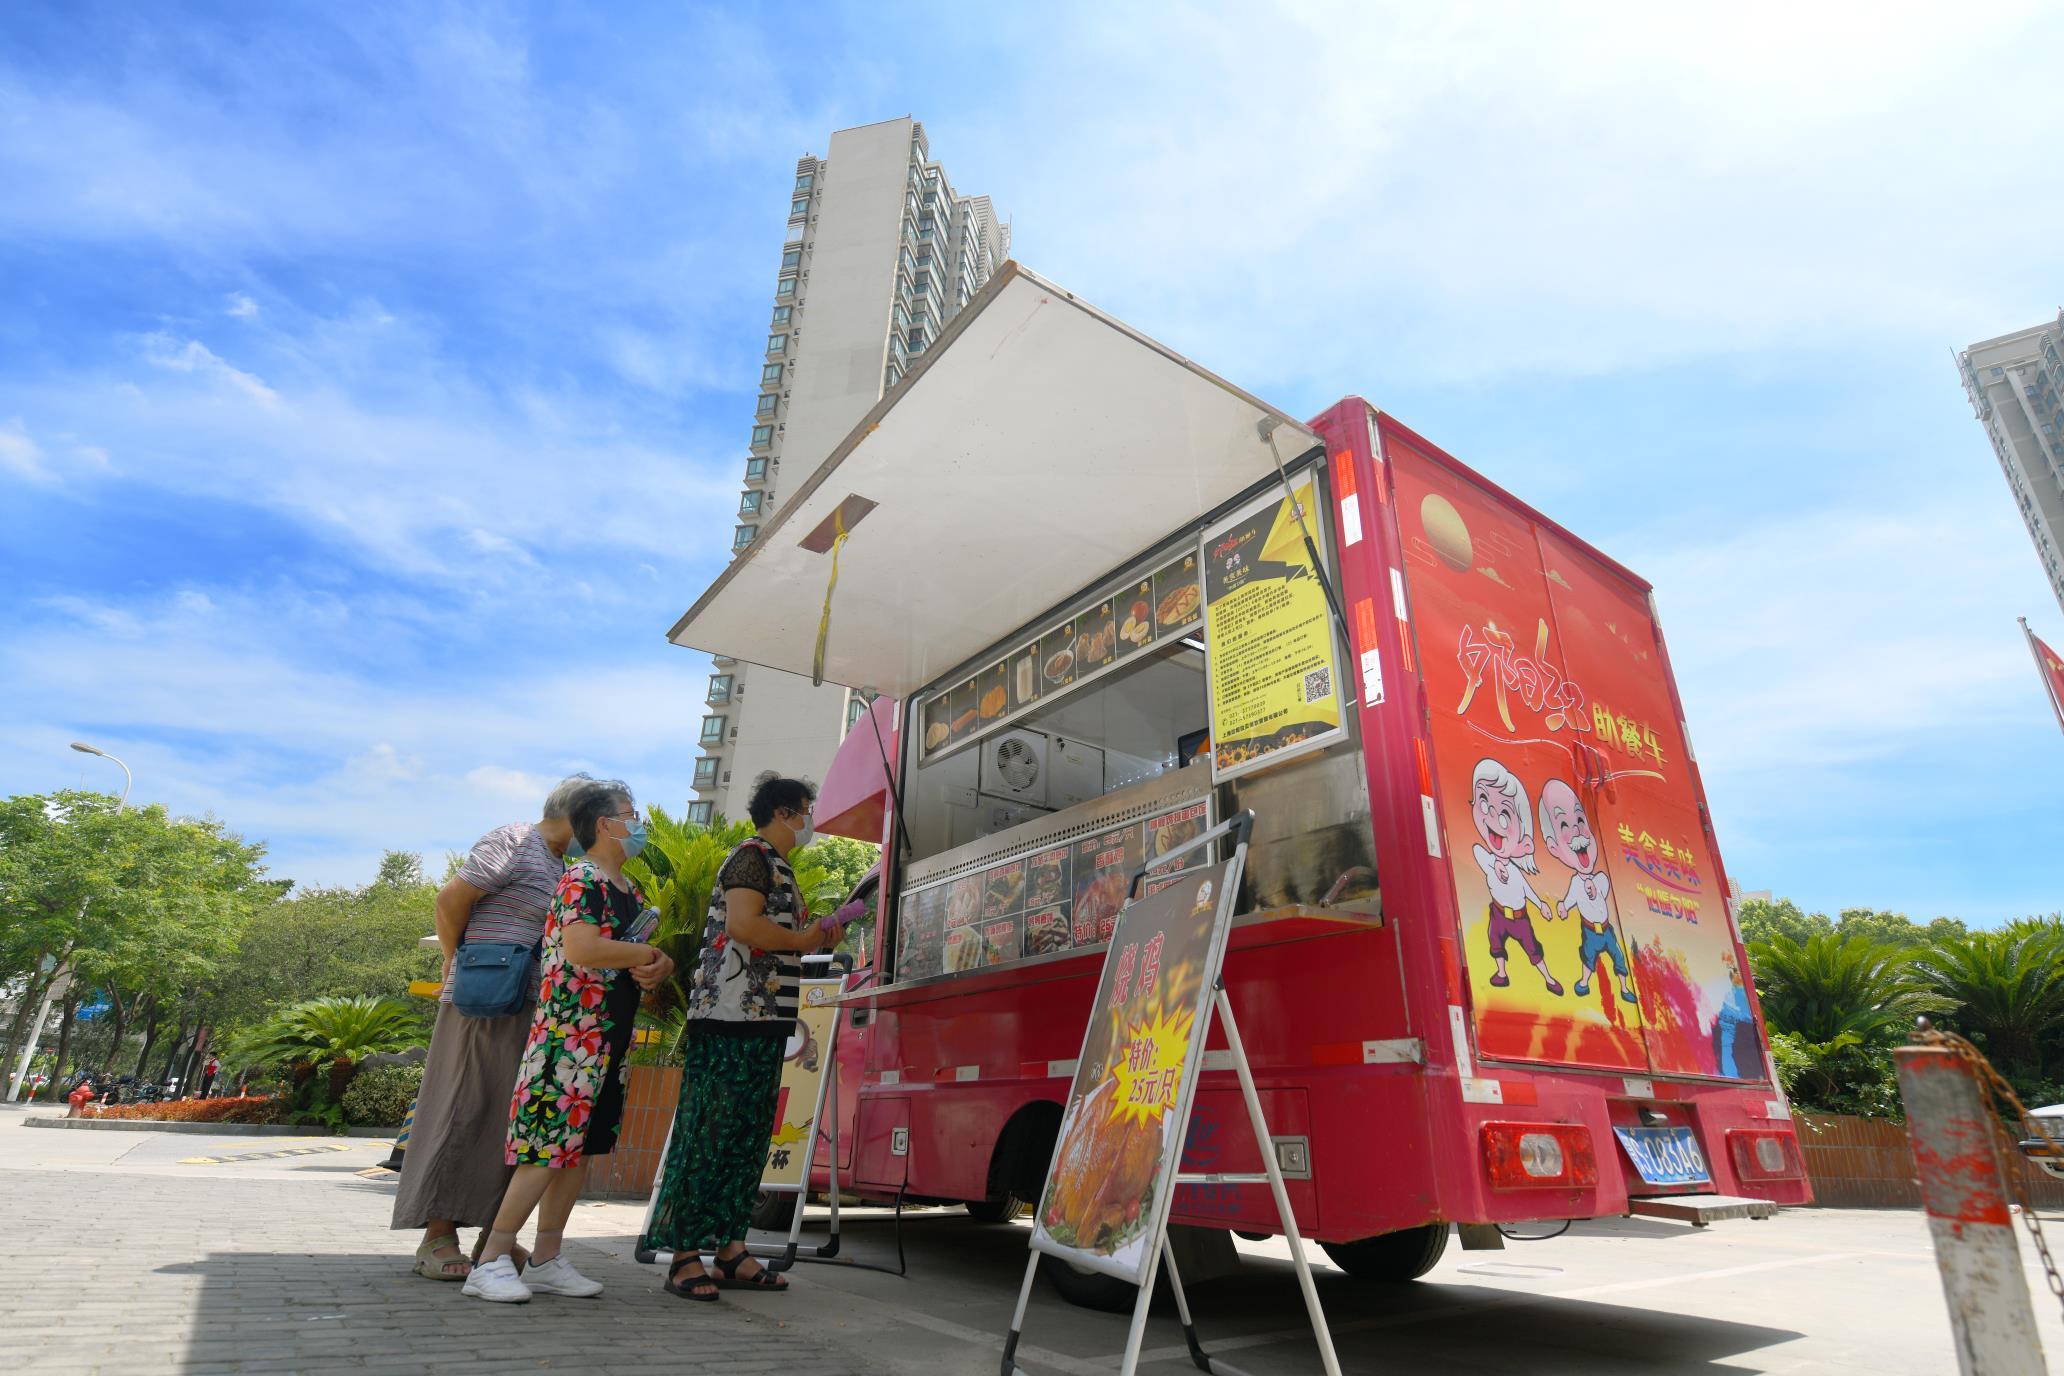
(1593, 928)
(1121, 1130)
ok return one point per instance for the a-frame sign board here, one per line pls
(1115, 1168)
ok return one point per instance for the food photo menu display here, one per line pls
(1117, 623)
(1066, 897)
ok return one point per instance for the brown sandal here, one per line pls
(702, 1288)
(762, 1279)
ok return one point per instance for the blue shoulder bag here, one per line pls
(492, 979)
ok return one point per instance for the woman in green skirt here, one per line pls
(741, 1009)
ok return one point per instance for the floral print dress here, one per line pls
(570, 1084)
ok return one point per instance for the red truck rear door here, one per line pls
(1592, 929)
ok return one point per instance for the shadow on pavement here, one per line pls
(357, 1310)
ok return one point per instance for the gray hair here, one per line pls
(592, 801)
(559, 802)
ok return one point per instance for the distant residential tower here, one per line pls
(2016, 384)
(880, 253)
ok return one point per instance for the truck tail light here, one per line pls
(1762, 1154)
(1520, 1156)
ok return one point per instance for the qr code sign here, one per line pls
(1318, 684)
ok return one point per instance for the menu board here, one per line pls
(1118, 622)
(1270, 650)
(1103, 865)
(1049, 898)
(1057, 658)
(1172, 831)
(921, 934)
(961, 702)
(1063, 898)
(1024, 678)
(995, 696)
(1178, 597)
(1135, 613)
(1096, 639)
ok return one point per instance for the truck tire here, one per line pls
(774, 1212)
(1090, 1289)
(996, 1210)
(1400, 1256)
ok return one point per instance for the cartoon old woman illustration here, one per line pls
(1498, 806)
(1566, 831)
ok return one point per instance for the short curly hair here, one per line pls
(771, 793)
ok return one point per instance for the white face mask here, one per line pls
(806, 830)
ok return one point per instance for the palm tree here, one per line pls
(676, 871)
(330, 1033)
(1827, 988)
(2005, 988)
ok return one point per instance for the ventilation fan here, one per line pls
(1016, 765)
(1014, 768)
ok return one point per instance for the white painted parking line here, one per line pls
(1475, 1307)
(1689, 1277)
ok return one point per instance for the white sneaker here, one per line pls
(497, 1281)
(557, 1277)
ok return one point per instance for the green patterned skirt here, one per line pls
(711, 1177)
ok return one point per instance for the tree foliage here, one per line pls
(320, 1031)
(1839, 994)
(139, 908)
(332, 943)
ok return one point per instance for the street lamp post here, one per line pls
(61, 978)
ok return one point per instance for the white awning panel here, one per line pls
(1039, 445)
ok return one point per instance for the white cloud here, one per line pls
(241, 307)
(192, 356)
(21, 455)
(1465, 192)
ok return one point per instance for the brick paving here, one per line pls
(212, 1273)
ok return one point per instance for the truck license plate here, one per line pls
(1665, 1156)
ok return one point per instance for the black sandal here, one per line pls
(702, 1288)
(762, 1279)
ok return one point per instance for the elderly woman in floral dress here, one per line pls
(569, 1094)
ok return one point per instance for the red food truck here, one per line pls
(1485, 965)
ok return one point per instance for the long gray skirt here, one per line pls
(456, 1164)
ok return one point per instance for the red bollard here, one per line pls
(1956, 1156)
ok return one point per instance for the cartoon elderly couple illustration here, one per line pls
(1498, 806)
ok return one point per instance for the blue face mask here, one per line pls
(574, 849)
(634, 840)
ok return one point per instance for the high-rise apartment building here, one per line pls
(2016, 384)
(880, 253)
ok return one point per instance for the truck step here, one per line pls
(1700, 1209)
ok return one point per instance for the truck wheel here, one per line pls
(1400, 1256)
(774, 1212)
(995, 1210)
(1089, 1289)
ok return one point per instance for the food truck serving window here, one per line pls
(1082, 746)
(1089, 705)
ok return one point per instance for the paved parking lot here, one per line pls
(156, 1252)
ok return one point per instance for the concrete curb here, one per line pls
(200, 1129)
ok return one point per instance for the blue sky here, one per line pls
(374, 380)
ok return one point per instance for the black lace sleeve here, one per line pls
(746, 869)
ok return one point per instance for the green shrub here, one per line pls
(379, 1096)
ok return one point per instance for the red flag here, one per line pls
(2051, 666)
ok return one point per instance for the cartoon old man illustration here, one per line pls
(1498, 806)
(1566, 830)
